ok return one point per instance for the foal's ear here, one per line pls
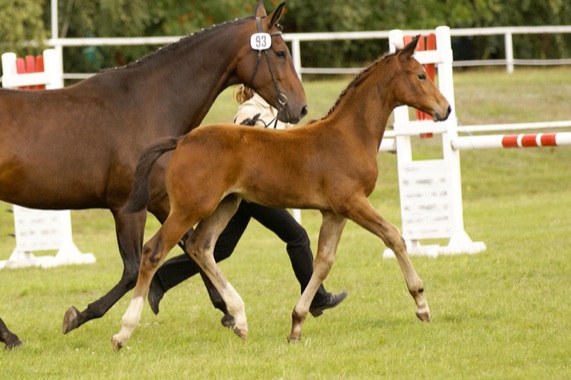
(408, 50)
(260, 10)
(276, 14)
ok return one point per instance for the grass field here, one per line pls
(500, 314)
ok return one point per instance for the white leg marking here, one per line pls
(129, 322)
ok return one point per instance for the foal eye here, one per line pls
(422, 76)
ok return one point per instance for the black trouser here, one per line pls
(277, 220)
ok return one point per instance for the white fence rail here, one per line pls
(297, 38)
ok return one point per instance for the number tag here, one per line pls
(260, 41)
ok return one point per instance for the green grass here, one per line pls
(500, 314)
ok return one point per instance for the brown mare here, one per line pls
(77, 148)
(329, 165)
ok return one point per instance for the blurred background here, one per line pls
(25, 25)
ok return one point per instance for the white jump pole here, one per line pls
(430, 190)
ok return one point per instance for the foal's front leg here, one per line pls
(329, 235)
(364, 214)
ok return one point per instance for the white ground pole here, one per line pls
(37, 230)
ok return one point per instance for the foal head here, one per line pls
(266, 65)
(414, 87)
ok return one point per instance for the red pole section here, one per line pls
(512, 141)
(40, 69)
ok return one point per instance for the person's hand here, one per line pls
(251, 121)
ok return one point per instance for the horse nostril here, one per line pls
(449, 111)
(303, 112)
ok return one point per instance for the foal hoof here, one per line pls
(116, 345)
(242, 333)
(424, 316)
(293, 339)
(70, 320)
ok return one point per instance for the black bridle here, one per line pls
(282, 98)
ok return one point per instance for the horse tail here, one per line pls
(139, 196)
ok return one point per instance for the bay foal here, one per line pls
(329, 165)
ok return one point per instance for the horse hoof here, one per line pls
(293, 339)
(12, 342)
(70, 320)
(424, 317)
(116, 345)
(242, 333)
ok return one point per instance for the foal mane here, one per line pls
(357, 80)
(191, 38)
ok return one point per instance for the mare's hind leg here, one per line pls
(129, 229)
(364, 214)
(9, 339)
(154, 253)
(329, 235)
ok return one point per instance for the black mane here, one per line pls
(357, 80)
(191, 38)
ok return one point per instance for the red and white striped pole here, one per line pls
(512, 141)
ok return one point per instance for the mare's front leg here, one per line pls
(154, 253)
(329, 235)
(9, 339)
(364, 214)
(129, 229)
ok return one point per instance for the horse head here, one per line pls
(416, 88)
(266, 65)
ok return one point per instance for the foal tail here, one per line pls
(139, 196)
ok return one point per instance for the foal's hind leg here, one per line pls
(129, 229)
(203, 241)
(154, 253)
(329, 235)
(366, 216)
(160, 207)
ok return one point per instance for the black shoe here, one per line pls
(228, 321)
(332, 300)
(155, 296)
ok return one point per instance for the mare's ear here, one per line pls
(408, 50)
(260, 10)
(276, 14)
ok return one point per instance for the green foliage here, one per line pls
(21, 20)
(29, 20)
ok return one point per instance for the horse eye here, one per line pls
(280, 54)
(421, 76)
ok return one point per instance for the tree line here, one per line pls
(25, 21)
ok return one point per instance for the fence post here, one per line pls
(296, 56)
(509, 52)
